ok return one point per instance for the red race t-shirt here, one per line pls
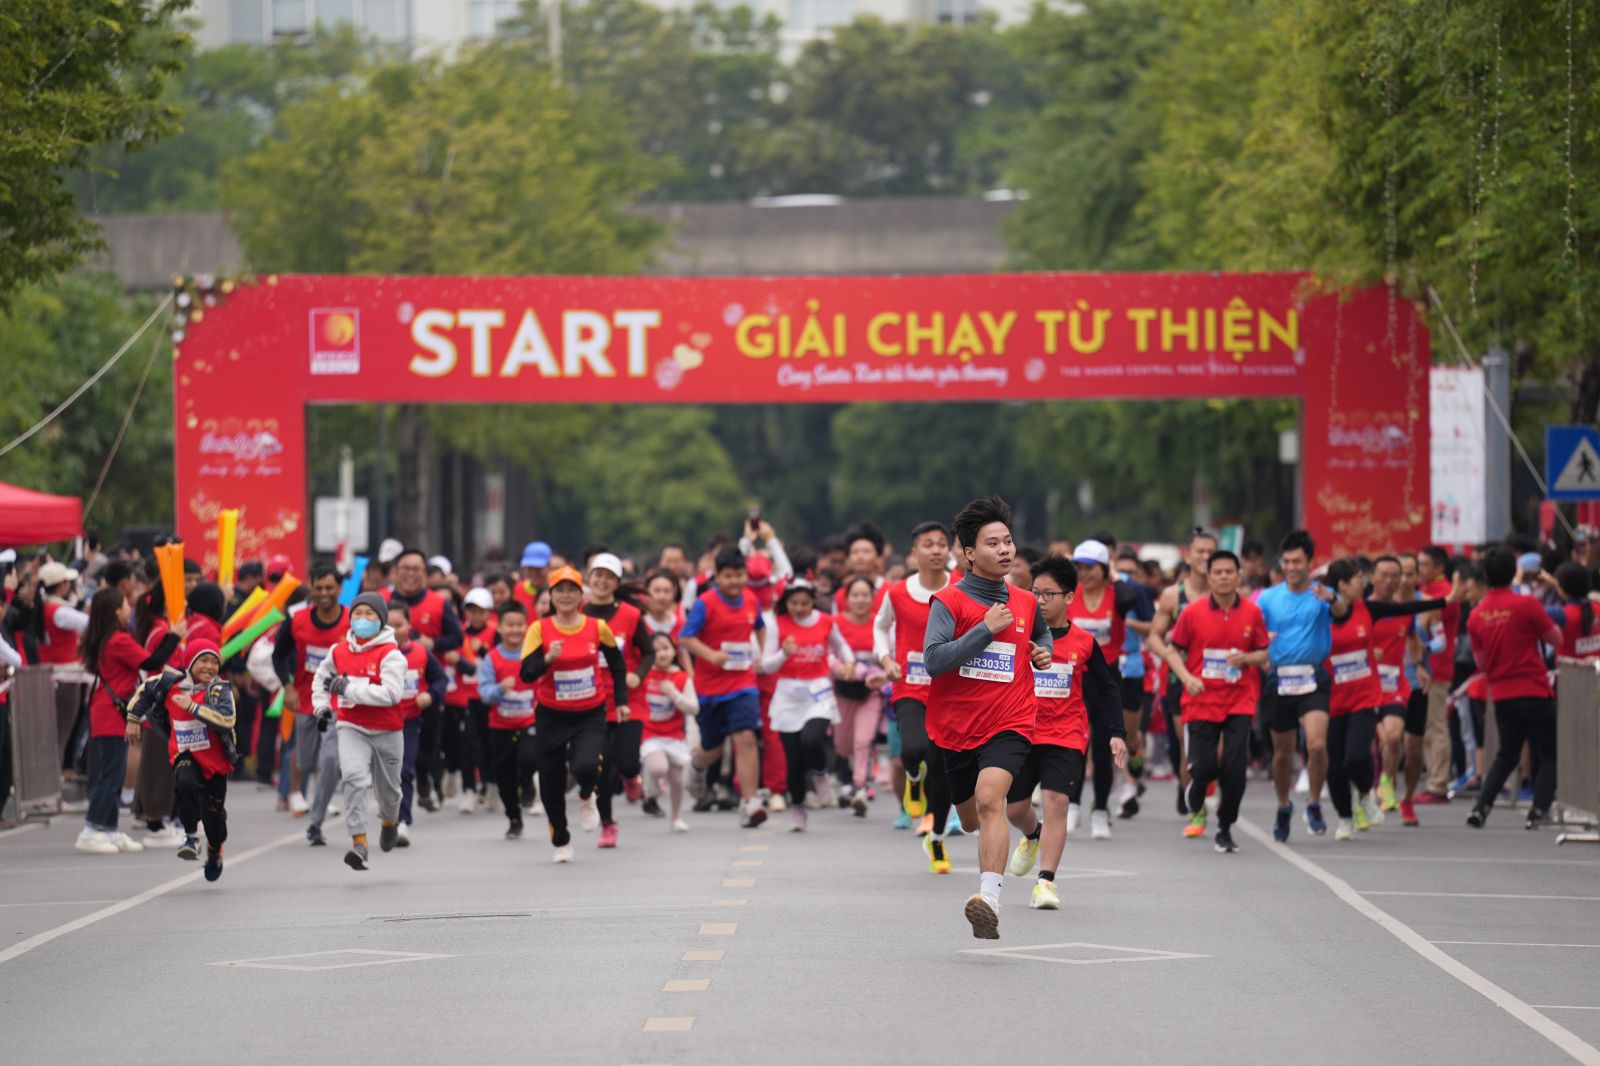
(1207, 633)
(1505, 629)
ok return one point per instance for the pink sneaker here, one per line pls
(633, 788)
(608, 836)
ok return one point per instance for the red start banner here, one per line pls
(247, 366)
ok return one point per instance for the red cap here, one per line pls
(278, 565)
(196, 648)
(759, 569)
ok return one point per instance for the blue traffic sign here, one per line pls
(1572, 462)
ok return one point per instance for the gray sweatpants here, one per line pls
(370, 761)
(327, 778)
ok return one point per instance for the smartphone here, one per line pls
(753, 516)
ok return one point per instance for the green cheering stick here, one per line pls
(276, 707)
(243, 640)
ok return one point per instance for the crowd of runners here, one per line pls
(955, 682)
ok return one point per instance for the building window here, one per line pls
(959, 12)
(246, 22)
(485, 16)
(331, 13)
(812, 16)
(383, 19)
(290, 17)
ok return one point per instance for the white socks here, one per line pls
(989, 889)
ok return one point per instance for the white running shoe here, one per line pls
(335, 808)
(680, 826)
(1099, 825)
(563, 854)
(1345, 830)
(452, 784)
(797, 820)
(170, 836)
(1375, 815)
(537, 810)
(124, 842)
(588, 815)
(297, 804)
(491, 800)
(469, 803)
(1074, 818)
(95, 842)
(404, 840)
(1302, 785)
(777, 805)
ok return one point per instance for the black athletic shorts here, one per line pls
(1391, 710)
(1050, 766)
(1132, 693)
(1005, 751)
(1417, 713)
(1283, 713)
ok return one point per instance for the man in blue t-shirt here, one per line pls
(1297, 687)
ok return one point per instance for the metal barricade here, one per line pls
(35, 742)
(1578, 747)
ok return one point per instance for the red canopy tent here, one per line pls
(28, 517)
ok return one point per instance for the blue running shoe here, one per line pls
(1280, 825)
(903, 822)
(952, 826)
(1525, 793)
(1314, 820)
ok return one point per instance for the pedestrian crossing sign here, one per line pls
(1572, 462)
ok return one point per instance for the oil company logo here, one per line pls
(335, 340)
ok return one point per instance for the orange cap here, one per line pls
(566, 573)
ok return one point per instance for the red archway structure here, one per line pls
(247, 366)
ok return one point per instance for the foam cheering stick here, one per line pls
(241, 617)
(227, 536)
(169, 557)
(352, 584)
(276, 707)
(276, 599)
(248, 637)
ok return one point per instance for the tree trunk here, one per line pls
(413, 489)
(1586, 390)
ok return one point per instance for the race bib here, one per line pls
(412, 685)
(997, 662)
(821, 690)
(1351, 666)
(1589, 645)
(661, 708)
(1214, 666)
(1098, 628)
(740, 656)
(1054, 682)
(191, 736)
(314, 657)
(1296, 680)
(916, 672)
(514, 703)
(575, 684)
(1389, 679)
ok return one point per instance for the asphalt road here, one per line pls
(1432, 945)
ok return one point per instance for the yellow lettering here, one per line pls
(1236, 327)
(758, 347)
(998, 331)
(1141, 318)
(933, 333)
(964, 340)
(1287, 331)
(875, 339)
(1051, 321)
(1171, 330)
(1097, 322)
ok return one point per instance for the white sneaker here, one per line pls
(797, 820)
(563, 854)
(469, 803)
(1375, 815)
(124, 842)
(1345, 830)
(680, 826)
(588, 815)
(170, 836)
(1302, 785)
(1099, 825)
(537, 810)
(335, 808)
(491, 800)
(297, 804)
(96, 843)
(452, 784)
(822, 788)
(404, 840)
(778, 805)
(1074, 818)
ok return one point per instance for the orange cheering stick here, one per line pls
(169, 557)
(227, 538)
(276, 600)
(241, 618)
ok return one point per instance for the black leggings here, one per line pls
(911, 716)
(457, 742)
(429, 767)
(1200, 747)
(1524, 720)
(199, 800)
(621, 762)
(1350, 756)
(1100, 750)
(806, 752)
(513, 757)
(573, 740)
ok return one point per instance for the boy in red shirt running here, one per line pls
(983, 640)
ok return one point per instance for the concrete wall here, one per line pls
(912, 235)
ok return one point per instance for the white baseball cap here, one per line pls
(1092, 551)
(51, 574)
(389, 551)
(606, 561)
(480, 598)
(442, 563)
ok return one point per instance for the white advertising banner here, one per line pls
(1456, 411)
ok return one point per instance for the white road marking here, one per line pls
(1560, 1006)
(1134, 954)
(703, 956)
(376, 958)
(749, 864)
(1480, 895)
(23, 947)
(1563, 1038)
(729, 902)
(16, 829)
(755, 848)
(738, 882)
(718, 928)
(60, 903)
(1511, 944)
(686, 985)
(1347, 856)
(669, 1025)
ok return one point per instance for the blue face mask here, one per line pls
(365, 628)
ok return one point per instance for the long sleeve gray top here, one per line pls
(942, 651)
